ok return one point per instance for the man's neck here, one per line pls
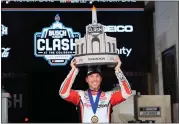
(94, 89)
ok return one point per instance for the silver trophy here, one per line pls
(95, 48)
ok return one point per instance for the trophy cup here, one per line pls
(95, 48)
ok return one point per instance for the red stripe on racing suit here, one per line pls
(65, 90)
(125, 91)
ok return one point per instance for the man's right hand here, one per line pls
(73, 62)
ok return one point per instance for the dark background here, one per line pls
(39, 82)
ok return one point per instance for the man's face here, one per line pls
(94, 80)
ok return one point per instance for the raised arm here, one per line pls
(65, 91)
(125, 89)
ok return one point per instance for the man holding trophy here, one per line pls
(95, 49)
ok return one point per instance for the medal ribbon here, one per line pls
(94, 105)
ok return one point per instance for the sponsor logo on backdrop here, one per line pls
(5, 52)
(4, 30)
(15, 101)
(111, 28)
(118, 28)
(124, 51)
(56, 43)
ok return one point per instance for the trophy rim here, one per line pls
(92, 64)
(96, 54)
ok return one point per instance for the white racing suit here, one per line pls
(107, 99)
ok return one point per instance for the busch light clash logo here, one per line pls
(56, 43)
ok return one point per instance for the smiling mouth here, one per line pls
(95, 83)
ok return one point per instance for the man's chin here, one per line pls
(95, 88)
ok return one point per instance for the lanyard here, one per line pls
(94, 105)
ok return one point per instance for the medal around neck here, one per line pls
(94, 119)
(95, 48)
(94, 105)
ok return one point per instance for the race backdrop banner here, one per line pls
(43, 40)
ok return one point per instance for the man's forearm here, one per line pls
(124, 84)
(67, 83)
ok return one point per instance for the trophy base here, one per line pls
(96, 59)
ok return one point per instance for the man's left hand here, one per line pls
(118, 66)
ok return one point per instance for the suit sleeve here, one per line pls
(66, 92)
(124, 92)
